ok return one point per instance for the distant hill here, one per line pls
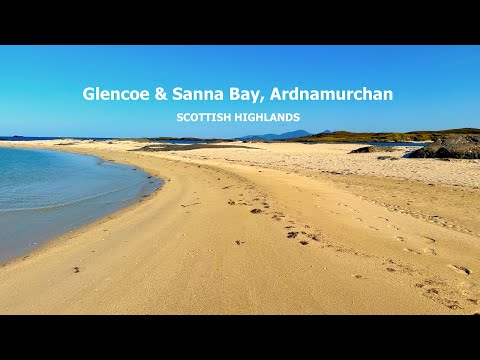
(346, 136)
(287, 135)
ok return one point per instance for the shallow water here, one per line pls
(35, 138)
(45, 193)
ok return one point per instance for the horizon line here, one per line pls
(229, 138)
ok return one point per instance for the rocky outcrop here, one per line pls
(372, 149)
(387, 158)
(456, 147)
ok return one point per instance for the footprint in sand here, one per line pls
(412, 251)
(382, 218)
(460, 269)
(393, 227)
(429, 251)
(399, 238)
(373, 228)
(345, 205)
(358, 219)
(430, 240)
(313, 237)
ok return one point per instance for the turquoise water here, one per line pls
(46, 193)
(33, 138)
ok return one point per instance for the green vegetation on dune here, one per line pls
(346, 136)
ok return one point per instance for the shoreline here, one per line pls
(197, 247)
(45, 244)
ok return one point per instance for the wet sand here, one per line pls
(281, 229)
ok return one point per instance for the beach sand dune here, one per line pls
(281, 229)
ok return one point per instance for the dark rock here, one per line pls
(387, 158)
(456, 147)
(256, 211)
(372, 149)
(176, 147)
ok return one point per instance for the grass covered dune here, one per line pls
(346, 136)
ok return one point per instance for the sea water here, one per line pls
(45, 193)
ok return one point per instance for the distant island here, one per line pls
(303, 136)
(346, 136)
(287, 135)
(265, 137)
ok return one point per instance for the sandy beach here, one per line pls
(281, 228)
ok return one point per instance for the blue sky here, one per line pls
(435, 87)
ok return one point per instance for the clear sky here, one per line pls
(435, 87)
